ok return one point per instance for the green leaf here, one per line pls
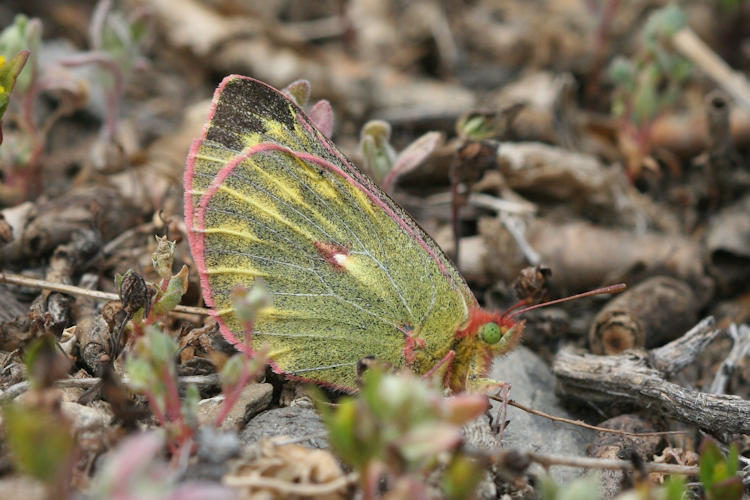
(622, 72)
(461, 478)
(733, 461)
(665, 22)
(674, 488)
(548, 489)
(23, 35)
(190, 403)
(163, 257)
(248, 303)
(173, 294)
(162, 347)
(141, 374)
(377, 153)
(341, 424)
(40, 443)
(645, 97)
(299, 91)
(710, 460)
(9, 71)
(232, 370)
(475, 128)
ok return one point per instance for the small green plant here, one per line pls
(152, 366)
(719, 473)
(153, 372)
(41, 444)
(380, 159)
(147, 303)
(399, 429)
(320, 113)
(647, 84)
(37, 433)
(115, 47)
(9, 71)
(244, 366)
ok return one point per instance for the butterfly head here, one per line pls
(488, 334)
(485, 335)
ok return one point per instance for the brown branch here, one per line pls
(608, 463)
(578, 423)
(733, 82)
(16, 279)
(16, 390)
(635, 378)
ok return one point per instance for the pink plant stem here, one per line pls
(172, 397)
(248, 339)
(233, 393)
(603, 35)
(155, 408)
(390, 180)
(96, 28)
(27, 115)
(113, 97)
(161, 418)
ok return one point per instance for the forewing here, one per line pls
(351, 275)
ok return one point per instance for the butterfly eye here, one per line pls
(491, 333)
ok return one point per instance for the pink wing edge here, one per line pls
(196, 238)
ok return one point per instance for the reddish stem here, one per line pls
(602, 42)
(155, 408)
(172, 397)
(233, 392)
(113, 97)
(232, 396)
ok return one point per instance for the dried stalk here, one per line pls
(16, 279)
(639, 378)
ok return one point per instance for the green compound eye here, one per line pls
(491, 333)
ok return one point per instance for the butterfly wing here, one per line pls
(350, 273)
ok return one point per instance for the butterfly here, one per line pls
(351, 275)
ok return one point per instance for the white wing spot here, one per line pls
(340, 258)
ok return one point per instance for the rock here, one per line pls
(253, 399)
(215, 449)
(86, 417)
(295, 422)
(533, 386)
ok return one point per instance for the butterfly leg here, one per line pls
(500, 421)
(443, 366)
(413, 343)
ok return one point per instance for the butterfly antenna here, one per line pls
(607, 289)
(515, 306)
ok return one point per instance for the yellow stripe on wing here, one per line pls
(240, 233)
(267, 209)
(245, 271)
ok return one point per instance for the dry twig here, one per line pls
(16, 279)
(639, 378)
